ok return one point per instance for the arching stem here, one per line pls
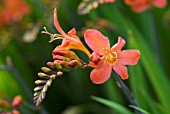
(127, 92)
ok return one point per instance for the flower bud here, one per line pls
(64, 64)
(75, 63)
(48, 70)
(50, 64)
(58, 57)
(40, 81)
(36, 93)
(45, 69)
(45, 89)
(59, 73)
(43, 95)
(57, 65)
(49, 82)
(53, 76)
(38, 88)
(94, 57)
(60, 51)
(65, 53)
(43, 75)
(17, 101)
(4, 103)
(15, 112)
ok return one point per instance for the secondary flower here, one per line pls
(70, 40)
(141, 5)
(13, 10)
(104, 58)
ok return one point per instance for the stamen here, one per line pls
(114, 54)
(111, 58)
(52, 36)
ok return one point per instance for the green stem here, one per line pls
(127, 92)
(155, 40)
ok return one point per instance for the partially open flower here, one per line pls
(70, 40)
(104, 58)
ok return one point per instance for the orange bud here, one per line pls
(65, 53)
(17, 101)
(15, 112)
(4, 103)
(50, 64)
(58, 57)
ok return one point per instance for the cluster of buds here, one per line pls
(64, 61)
(12, 107)
(87, 5)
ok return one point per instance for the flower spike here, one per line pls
(64, 61)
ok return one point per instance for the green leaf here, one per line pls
(117, 107)
(137, 108)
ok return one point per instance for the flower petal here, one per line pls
(140, 6)
(72, 32)
(57, 25)
(94, 57)
(96, 41)
(129, 2)
(71, 41)
(101, 73)
(160, 3)
(121, 70)
(118, 46)
(128, 57)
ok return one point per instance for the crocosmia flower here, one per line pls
(70, 40)
(12, 10)
(104, 58)
(141, 5)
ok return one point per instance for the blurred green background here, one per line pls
(24, 50)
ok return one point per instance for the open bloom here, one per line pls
(70, 40)
(104, 58)
(141, 5)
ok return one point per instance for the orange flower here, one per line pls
(141, 5)
(104, 58)
(12, 10)
(70, 40)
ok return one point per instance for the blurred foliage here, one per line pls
(29, 50)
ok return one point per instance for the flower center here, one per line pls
(110, 56)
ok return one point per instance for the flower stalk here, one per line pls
(127, 92)
(155, 39)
